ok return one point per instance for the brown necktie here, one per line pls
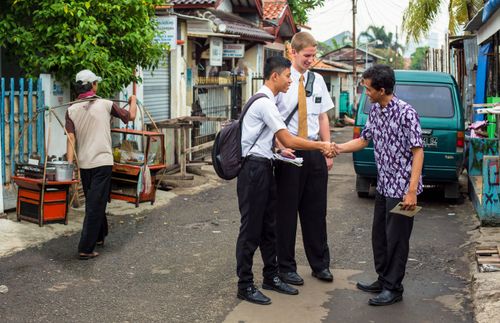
(302, 131)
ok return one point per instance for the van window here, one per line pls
(428, 100)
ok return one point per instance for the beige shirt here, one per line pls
(90, 122)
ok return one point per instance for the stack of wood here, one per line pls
(488, 258)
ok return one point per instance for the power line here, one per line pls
(368, 11)
(395, 4)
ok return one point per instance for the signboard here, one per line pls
(234, 50)
(216, 51)
(167, 26)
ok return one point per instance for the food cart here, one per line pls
(138, 157)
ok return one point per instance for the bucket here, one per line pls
(64, 171)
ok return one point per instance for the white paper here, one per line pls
(295, 161)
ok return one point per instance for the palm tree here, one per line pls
(420, 14)
(373, 33)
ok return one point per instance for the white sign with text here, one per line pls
(167, 26)
(216, 51)
(234, 50)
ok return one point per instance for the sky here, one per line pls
(336, 16)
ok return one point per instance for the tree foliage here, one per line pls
(300, 8)
(419, 16)
(392, 58)
(324, 47)
(109, 37)
(385, 39)
(418, 58)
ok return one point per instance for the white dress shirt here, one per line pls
(319, 102)
(262, 114)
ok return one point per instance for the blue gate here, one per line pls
(22, 123)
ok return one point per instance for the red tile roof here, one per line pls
(192, 2)
(273, 9)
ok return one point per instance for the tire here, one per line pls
(362, 186)
(363, 195)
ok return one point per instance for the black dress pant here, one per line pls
(390, 241)
(256, 190)
(96, 184)
(303, 190)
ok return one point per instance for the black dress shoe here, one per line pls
(292, 278)
(375, 287)
(324, 275)
(386, 297)
(279, 286)
(253, 295)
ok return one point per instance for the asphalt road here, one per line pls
(177, 264)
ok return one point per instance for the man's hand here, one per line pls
(409, 201)
(132, 99)
(328, 149)
(329, 163)
(288, 153)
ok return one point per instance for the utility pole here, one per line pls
(396, 51)
(354, 74)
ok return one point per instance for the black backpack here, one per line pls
(226, 151)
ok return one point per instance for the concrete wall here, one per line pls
(178, 63)
(254, 58)
(55, 94)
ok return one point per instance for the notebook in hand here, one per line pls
(397, 209)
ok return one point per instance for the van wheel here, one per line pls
(452, 191)
(362, 186)
(363, 195)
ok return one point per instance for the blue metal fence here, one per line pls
(18, 110)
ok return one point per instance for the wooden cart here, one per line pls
(143, 147)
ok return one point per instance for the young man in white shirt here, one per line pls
(256, 188)
(303, 190)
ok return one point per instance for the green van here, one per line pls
(435, 97)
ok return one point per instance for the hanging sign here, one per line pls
(234, 50)
(216, 51)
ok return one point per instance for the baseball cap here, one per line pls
(87, 76)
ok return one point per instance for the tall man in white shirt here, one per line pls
(256, 187)
(303, 189)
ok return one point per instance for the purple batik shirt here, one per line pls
(395, 130)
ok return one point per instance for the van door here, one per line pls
(439, 118)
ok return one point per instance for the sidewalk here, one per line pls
(485, 286)
(17, 236)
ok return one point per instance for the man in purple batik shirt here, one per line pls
(393, 126)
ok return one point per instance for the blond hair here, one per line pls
(303, 40)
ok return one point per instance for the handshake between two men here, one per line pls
(328, 149)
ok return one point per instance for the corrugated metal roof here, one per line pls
(320, 65)
(235, 25)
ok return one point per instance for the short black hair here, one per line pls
(381, 76)
(275, 64)
(82, 88)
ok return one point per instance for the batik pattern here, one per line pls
(394, 130)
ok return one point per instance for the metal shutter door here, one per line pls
(157, 91)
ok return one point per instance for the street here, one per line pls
(177, 264)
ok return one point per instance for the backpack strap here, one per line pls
(310, 83)
(254, 98)
(309, 91)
